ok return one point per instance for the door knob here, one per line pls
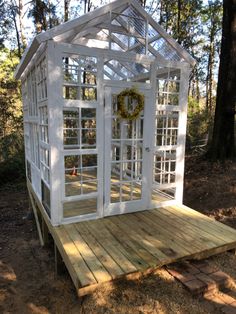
(147, 149)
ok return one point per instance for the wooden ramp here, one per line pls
(128, 245)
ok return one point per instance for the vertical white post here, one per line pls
(107, 148)
(150, 126)
(180, 152)
(100, 135)
(55, 129)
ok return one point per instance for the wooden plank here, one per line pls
(126, 249)
(203, 222)
(82, 271)
(153, 247)
(208, 246)
(45, 232)
(153, 241)
(36, 219)
(175, 242)
(209, 219)
(104, 257)
(123, 237)
(110, 244)
(95, 266)
(176, 224)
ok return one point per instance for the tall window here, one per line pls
(166, 133)
(42, 80)
(80, 78)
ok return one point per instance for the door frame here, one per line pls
(134, 205)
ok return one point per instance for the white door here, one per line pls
(126, 157)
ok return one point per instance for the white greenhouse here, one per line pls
(84, 159)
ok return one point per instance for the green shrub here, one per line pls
(12, 161)
(199, 123)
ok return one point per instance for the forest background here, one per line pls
(196, 25)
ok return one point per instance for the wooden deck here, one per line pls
(128, 245)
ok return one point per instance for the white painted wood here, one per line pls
(142, 41)
(134, 205)
(79, 218)
(101, 145)
(150, 133)
(81, 20)
(55, 119)
(27, 56)
(120, 55)
(180, 151)
(80, 30)
(124, 84)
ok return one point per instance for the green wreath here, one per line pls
(122, 109)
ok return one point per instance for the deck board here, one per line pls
(98, 251)
(101, 254)
(203, 222)
(173, 222)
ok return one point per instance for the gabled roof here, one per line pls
(120, 25)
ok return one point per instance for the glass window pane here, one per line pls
(115, 193)
(115, 128)
(88, 113)
(89, 160)
(137, 192)
(70, 92)
(89, 138)
(72, 137)
(72, 175)
(89, 174)
(72, 161)
(72, 189)
(89, 187)
(173, 99)
(88, 93)
(126, 192)
(82, 207)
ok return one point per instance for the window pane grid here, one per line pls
(166, 128)
(42, 80)
(44, 164)
(166, 134)
(43, 124)
(168, 85)
(34, 143)
(80, 128)
(80, 77)
(126, 159)
(80, 174)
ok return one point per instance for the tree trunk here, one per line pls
(178, 22)
(66, 10)
(13, 15)
(161, 20)
(211, 60)
(223, 142)
(21, 24)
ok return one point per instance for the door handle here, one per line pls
(147, 149)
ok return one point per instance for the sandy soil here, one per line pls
(27, 279)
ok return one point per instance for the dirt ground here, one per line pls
(27, 278)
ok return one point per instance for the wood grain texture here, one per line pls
(126, 246)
